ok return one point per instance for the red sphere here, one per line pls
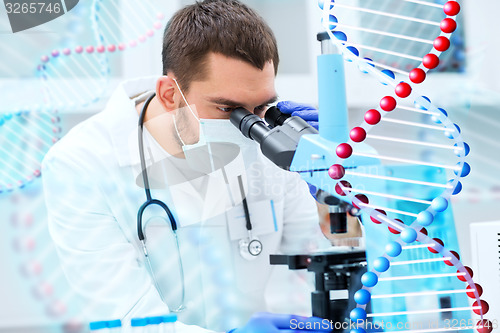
(361, 197)
(374, 219)
(339, 190)
(451, 8)
(336, 171)
(478, 288)
(396, 231)
(372, 117)
(417, 75)
(403, 90)
(344, 150)
(469, 271)
(358, 134)
(430, 61)
(431, 248)
(448, 25)
(441, 43)
(424, 231)
(449, 263)
(484, 307)
(484, 326)
(388, 103)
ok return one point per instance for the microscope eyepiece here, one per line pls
(278, 142)
(275, 117)
(249, 124)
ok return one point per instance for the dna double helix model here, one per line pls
(419, 157)
(71, 79)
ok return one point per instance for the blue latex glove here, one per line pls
(264, 322)
(304, 111)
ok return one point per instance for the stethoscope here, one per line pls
(150, 202)
(250, 247)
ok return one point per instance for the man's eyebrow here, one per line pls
(231, 103)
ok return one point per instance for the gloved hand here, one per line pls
(265, 322)
(304, 111)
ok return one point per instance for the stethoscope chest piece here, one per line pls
(250, 248)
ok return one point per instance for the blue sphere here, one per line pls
(357, 314)
(362, 296)
(465, 170)
(369, 279)
(381, 264)
(419, 105)
(369, 62)
(358, 330)
(425, 218)
(332, 22)
(439, 204)
(450, 133)
(353, 50)
(389, 74)
(436, 118)
(458, 188)
(321, 4)
(459, 152)
(409, 235)
(393, 249)
(365, 65)
(340, 36)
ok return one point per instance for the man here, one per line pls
(218, 55)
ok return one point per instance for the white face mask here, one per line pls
(219, 143)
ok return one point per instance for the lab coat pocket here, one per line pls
(266, 220)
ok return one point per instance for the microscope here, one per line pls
(294, 145)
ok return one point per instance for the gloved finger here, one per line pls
(306, 114)
(313, 190)
(277, 320)
(307, 324)
(314, 124)
(289, 106)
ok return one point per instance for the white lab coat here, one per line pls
(92, 197)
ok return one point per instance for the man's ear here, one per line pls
(166, 93)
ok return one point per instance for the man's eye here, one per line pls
(260, 110)
(226, 109)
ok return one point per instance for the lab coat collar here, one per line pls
(121, 116)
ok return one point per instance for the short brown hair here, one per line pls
(227, 27)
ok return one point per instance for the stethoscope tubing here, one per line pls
(149, 200)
